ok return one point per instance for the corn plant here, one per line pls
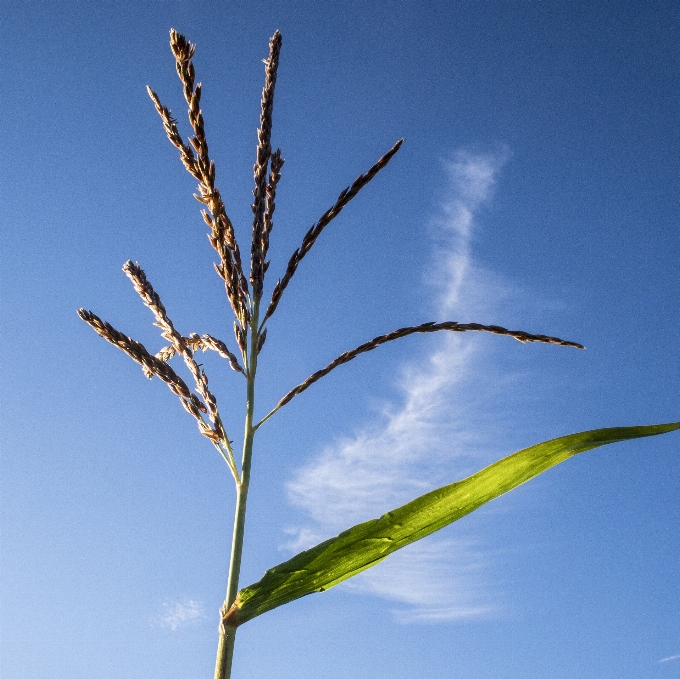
(365, 544)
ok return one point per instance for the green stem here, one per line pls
(227, 638)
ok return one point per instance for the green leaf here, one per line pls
(366, 544)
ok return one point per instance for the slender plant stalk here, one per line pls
(227, 634)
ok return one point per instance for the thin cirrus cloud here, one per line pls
(178, 614)
(669, 658)
(427, 437)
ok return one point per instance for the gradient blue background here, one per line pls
(112, 506)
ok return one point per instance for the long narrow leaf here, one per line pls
(366, 544)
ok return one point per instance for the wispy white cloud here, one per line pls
(669, 658)
(431, 581)
(426, 438)
(178, 614)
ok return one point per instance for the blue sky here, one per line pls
(536, 189)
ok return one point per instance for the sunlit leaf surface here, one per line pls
(366, 544)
